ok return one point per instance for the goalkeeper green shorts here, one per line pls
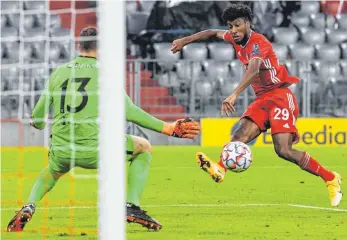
(63, 165)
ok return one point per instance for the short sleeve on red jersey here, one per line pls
(259, 49)
(228, 37)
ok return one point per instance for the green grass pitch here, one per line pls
(274, 199)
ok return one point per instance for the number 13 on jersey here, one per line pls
(81, 90)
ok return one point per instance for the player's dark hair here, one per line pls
(88, 44)
(237, 10)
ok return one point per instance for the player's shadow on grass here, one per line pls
(135, 228)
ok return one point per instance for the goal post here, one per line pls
(111, 174)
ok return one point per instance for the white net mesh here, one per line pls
(36, 37)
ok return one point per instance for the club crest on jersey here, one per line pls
(255, 50)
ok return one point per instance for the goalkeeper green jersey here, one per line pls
(72, 91)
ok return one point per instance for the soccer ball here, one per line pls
(236, 156)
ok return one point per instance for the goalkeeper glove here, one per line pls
(182, 128)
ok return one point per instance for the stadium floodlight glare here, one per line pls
(111, 107)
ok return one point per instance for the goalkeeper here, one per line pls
(72, 91)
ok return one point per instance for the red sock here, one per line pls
(312, 166)
(222, 165)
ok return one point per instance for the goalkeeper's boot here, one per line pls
(214, 169)
(137, 215)
(22, 217)
(334, 188)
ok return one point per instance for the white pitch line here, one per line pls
(319, 208)
(255, 167)
(249, 205)
(85, 176)
(196, 205)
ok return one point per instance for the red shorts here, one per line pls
(276, 109)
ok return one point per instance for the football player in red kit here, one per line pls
(275, 105)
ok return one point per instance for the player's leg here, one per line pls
(48, 177)
(252, 123)
(139, 153)
(246, 132)
(283, 147)
(283, 114)
(44, 183)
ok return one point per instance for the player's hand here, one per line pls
(186, 128)
(182, 128)
(32, 123)
(228, 105)
(38, 125)
(177, 45)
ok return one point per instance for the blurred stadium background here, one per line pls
(309, 37)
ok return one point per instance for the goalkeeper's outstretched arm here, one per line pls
(182, 128)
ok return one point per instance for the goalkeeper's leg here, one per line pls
(44, 183)
(139, 153)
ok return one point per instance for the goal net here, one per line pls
(36, 37)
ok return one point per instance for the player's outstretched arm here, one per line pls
(178, 44)
(40, 112)
(182, 128)
(252, 71)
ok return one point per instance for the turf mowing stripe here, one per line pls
(257, 167)
(53, 208)
(216, 205)
(155, 206)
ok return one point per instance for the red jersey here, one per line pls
(271, 74)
